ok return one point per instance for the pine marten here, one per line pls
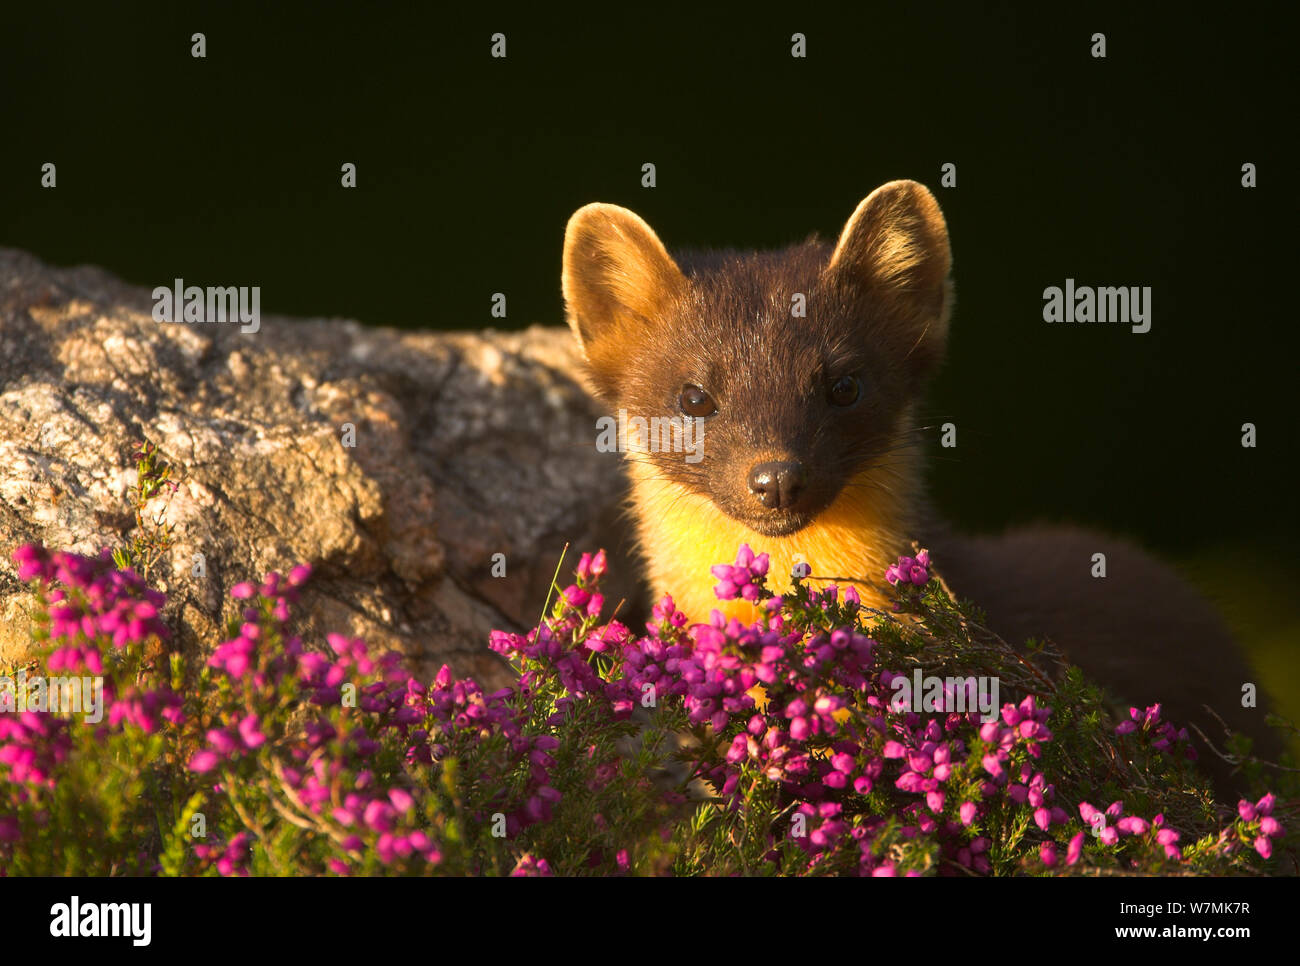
(805, 367)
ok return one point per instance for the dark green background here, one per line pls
(1123, 171)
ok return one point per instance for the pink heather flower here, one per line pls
(1270, 826)
(530, 866)
(222, 741)
(909, 570)
(576, 596)
(725, 588)
(909, 781)
(1047, 853)
(32, 560)
(744, 579)
(250, 733)
(1132, 825)
(243, 591)
(708, 668)
(919, 762)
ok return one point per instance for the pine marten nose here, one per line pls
(777, 485)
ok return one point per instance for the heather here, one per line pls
(782, 746)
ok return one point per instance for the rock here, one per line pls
(466, 445)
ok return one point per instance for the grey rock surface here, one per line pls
(466, 445)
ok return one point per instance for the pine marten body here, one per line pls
(804, 368)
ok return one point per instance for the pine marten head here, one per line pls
(800, 366)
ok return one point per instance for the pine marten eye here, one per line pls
(845, 391)
(696, 402)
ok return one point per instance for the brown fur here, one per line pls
(878, 307)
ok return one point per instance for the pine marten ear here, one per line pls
(895, 247)
(617, 276)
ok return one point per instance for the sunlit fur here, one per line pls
(682, 534)
(877, 307)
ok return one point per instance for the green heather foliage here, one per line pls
(707, 749)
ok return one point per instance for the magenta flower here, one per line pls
(1047, 853)
(249, 731)
(745, 579)
(1132, 825)
(1075, 849)
(909, 570)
